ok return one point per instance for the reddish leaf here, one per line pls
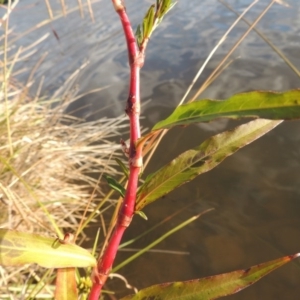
(212, 287)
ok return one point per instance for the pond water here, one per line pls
(255, 193)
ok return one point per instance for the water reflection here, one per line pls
(255, 193)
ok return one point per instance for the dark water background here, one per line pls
(255, 193)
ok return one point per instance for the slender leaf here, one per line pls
(200, 160)
(19, 248)
(157, 241)
(152, 18)
(212, 287)
(66, 286)
(268, 105)
(115, 185)
(164, 6)
(123, 167)
(139, 35)
(148, 22)
(141, 214)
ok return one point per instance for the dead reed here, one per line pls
(50, 164)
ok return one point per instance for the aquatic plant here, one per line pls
(268, 109)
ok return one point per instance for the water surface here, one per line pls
(255, 193)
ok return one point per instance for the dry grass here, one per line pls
(50, 165)
(49, 162)
(39, 179)
(51, 153)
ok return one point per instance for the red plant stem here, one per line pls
(136, 61)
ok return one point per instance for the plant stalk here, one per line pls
(136, 61)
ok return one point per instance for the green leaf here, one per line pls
(66, 286)
(19, 248)
(200, 160)
(268, 105)
(157, 241)
(115, 185)
(163, 7)
(148, 22)
(141, 214)
(212, 287)
(123, 167)
(139, 35)
(152, 18)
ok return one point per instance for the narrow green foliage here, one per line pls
(96, 242)
(139, 35)
(148, 22)
(157, 241)
(268, 105)
(19, 248)
(162, 8)
(115, 185)
(199, 160)
(152, 18)
(141, 214)
(123, 167)
(212, 287)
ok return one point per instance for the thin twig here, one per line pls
(277, 50)
(220, 42)
(80, 8)
(49, 9)
(6, 78)
(155, 144)
(91, 10)
(203, 87)
(63, 6)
